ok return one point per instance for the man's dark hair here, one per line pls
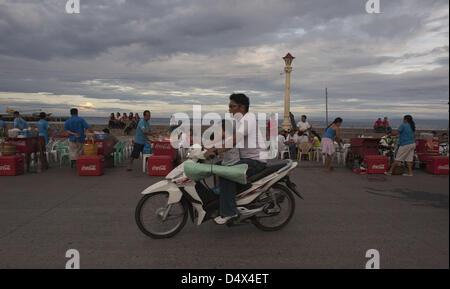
(42, 115)
(304, 116)
(105, 130)
(145, 111)
(16, 113)
(74, 111)
(241, 99)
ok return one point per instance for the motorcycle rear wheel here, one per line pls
(146, 209)
(285, 194)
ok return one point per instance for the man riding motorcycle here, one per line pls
(251, 153)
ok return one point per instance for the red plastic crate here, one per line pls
(437, 165)
(423, 158)
(159, 165)
(90, 165)
(11, 165)
(163, 148)
(376, 164)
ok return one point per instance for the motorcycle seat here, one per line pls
(270, 169)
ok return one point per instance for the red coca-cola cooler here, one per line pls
(159, 165)
(437, 165)
(11, 165)
(376, 164)
(164, 148)
(90, 165)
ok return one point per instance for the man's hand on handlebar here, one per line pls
(210, 153)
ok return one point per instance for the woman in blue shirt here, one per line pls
(43, 127)
(328, 149)
(407, 145)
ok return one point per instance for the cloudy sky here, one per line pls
(166, 55)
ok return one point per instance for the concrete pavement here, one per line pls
(343, 216)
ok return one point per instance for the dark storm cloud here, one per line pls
(190, 52)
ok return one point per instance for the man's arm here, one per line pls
(69, 132)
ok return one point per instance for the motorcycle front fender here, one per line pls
(165, 186)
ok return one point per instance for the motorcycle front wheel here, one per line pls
(158, 220)
(276, 216)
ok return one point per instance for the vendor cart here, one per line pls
(30, 145)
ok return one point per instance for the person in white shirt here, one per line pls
(283, 141)
(249, 141)
(303, 125)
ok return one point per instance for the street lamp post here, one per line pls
(287, 105)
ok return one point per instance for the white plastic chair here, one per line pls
(317, 153)
(51, 153)
(284, 151)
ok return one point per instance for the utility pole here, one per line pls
(326, 106)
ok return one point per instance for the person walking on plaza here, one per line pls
(19, 122)
(143, 130)
(2, 122)
(75, 127)
(407, 145)
(328, 149)
(43, 127)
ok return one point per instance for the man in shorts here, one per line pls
(143, 130)
(75, 126)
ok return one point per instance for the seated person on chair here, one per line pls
(292, 138)
(386, 125)
(254, 157)
(303, 137)
(282, 141)
(108, 148)
(378, 126)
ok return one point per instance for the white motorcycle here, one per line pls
(267, 200)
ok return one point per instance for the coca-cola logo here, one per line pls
(378, 167)
(16, 143)
(159, 168)
(163, 146)
(89, 168)
(5, 168)
(443, 167)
